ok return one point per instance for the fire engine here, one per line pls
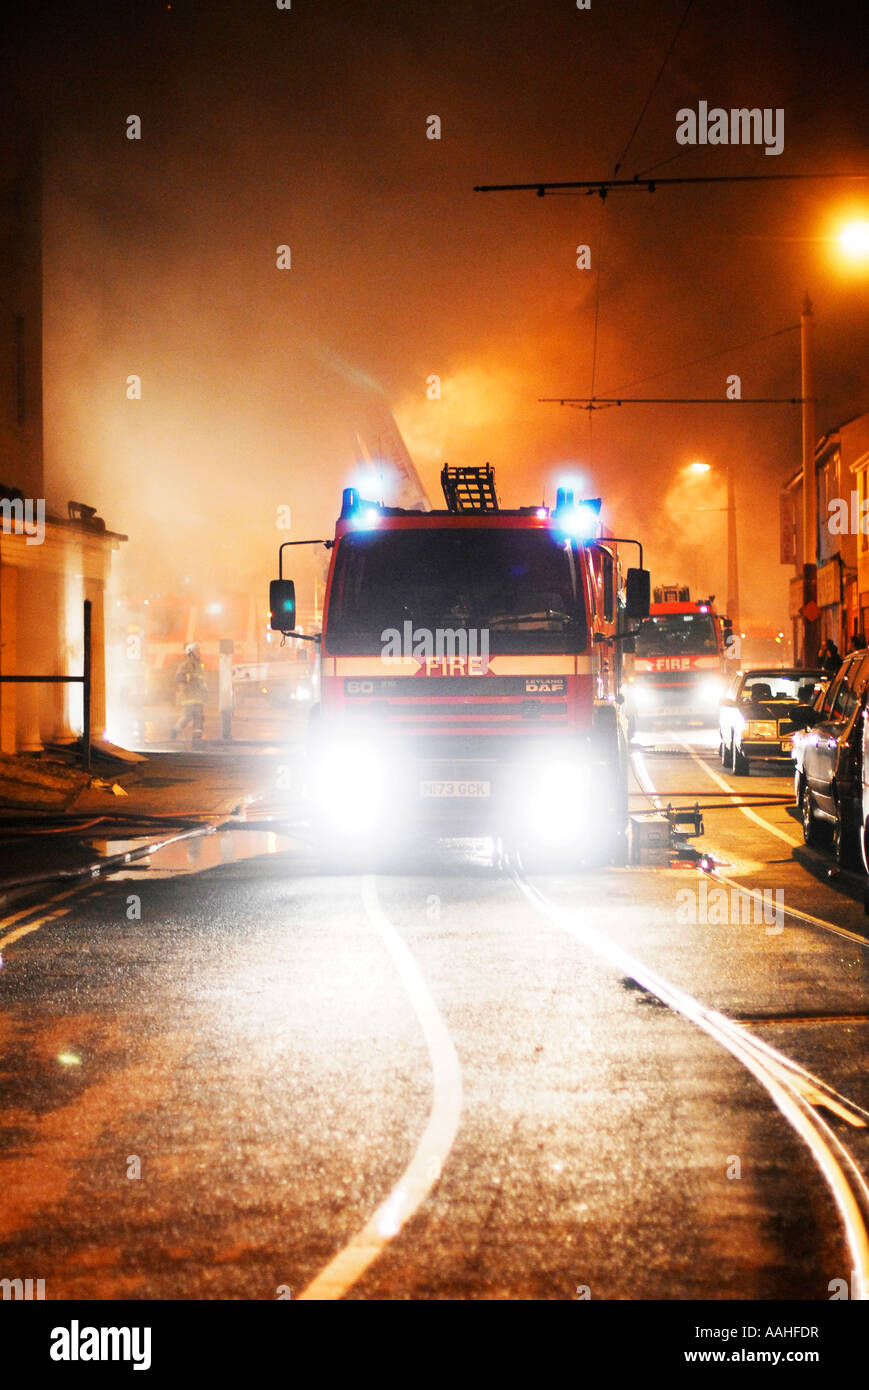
(471, 663)
(680, 664)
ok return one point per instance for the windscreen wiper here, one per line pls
(543, 615)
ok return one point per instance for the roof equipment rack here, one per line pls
(469, 489)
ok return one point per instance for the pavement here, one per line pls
(164, 795)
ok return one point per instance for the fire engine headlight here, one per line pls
(642, 696)
(554, 801)
(348, 786)
(711, 690)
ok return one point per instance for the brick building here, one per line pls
(841, 548)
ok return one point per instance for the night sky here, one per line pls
(307, 127)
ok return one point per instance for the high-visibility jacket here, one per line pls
(190, 682)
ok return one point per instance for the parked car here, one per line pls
(829, 760)
(760, 713)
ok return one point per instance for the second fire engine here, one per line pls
(680, 667)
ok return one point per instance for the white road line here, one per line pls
(774, 830)
(737, 801)
(641, 772)
(773, 1070)
(424, 1169)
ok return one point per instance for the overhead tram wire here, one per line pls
(788, 102)
(653, 88)
(618, 165)
(614, 397)
(606, 402)
(605, 186)
(594, 339)
(697, 361)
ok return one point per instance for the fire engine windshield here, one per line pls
(520, 586)
(677, 634)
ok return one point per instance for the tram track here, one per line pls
(798, 1094)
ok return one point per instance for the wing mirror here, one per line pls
(638, 593)
(282, 605)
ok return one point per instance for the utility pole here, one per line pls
(809, 611)
(732, 553)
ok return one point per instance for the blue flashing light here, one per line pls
(579, 522)
(577, 519)
(362, 512)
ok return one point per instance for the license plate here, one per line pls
(455, 789)
(787, 745)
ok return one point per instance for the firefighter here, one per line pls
(191, 691)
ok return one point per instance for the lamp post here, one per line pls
(853, 244)
(809, 612)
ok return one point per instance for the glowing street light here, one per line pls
(854, 240)
(698, 467)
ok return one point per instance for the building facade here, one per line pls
(48, 564)
(855, 454)
(841, 546)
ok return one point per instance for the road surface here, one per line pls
(228, 1076)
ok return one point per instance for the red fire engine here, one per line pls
(471, 663)
(680, 667)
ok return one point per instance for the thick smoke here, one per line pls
(307, 128)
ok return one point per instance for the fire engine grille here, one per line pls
(459, 710)
(416, 687)
(682, 679)
(408, 713)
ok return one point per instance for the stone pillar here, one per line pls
(94, 589)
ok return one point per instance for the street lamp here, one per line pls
(854, 240)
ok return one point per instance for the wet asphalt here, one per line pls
(213, 1072)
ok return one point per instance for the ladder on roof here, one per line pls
(469, 489)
